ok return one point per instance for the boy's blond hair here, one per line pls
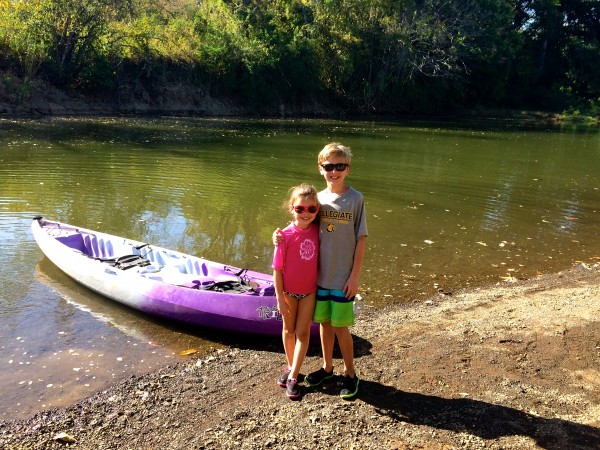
(335, 149)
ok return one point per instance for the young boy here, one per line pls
(342, 237)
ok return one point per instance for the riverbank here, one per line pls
(45, 100)
(37, 99)
(512, 366)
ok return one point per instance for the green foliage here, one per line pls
(364, 55)
(561, 44)
(22, 36)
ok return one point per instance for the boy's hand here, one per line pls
(351, 287)
(277, 236)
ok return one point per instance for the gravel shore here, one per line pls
(511, 366)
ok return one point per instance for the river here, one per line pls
(450, 206)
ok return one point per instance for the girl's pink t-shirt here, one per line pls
(298, 256)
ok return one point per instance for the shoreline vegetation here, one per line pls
(47, 101)
(299, 58)
(507, 366)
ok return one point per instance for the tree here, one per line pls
(76, 30)
(561, 47)
(21, 34)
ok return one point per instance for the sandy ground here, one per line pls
(512, 366)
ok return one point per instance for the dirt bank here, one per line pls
(514, 366)
(175, 99)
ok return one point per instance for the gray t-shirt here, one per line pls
(342, 222)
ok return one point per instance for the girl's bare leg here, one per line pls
(305, 308)
(288, 333)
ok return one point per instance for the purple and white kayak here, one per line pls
(163, 282)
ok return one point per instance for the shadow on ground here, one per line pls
(486, 420)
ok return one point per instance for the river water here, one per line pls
(450, 206)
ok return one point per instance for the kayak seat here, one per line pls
(97, 248)
(74, 241)
(187, 266)
(100, 248)
(194, 267)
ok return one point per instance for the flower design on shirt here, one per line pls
(307, 250)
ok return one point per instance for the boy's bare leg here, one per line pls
(347, 348)
(327, 341)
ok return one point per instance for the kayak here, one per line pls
(162, 282)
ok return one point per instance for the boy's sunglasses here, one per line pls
(311, 209)
(340, 167)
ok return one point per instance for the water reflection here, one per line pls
(140, 327)
(76, 342)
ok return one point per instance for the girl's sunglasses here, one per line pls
(311, 209)
(340, 167)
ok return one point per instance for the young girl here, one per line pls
(295, 276)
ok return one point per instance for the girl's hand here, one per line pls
(283, 308)
(277, 236)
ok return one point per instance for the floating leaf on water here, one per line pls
(64, 437)
(190, 351)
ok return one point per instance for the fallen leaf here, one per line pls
(64, 437)
(190, 351)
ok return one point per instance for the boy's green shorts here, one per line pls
(332, 306)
